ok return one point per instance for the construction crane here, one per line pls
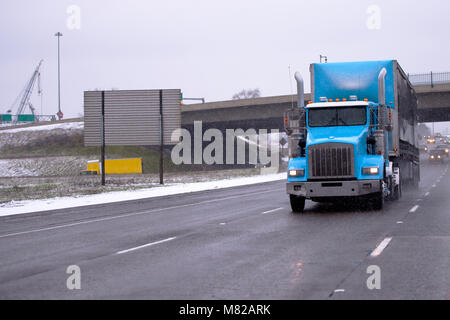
(25, 94)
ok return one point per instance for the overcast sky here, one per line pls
(209, 49)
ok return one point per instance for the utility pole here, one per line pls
(161, 138)
(59, 114)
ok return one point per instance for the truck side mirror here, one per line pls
(302, 146)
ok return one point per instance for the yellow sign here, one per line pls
(117, 166)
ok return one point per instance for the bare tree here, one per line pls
(247, 94)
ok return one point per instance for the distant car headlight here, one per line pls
(370, 170)
(432, 157)
(296, 172)
(426, 148)
(439, 157)
(446, 150)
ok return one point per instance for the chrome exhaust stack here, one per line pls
(300, 90)
(379, 133)
(295, 121)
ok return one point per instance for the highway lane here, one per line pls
(416, 263)
(236, 243)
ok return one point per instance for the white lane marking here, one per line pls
(145, 245)
(273, 210)
(339, 290)
(127, 215)
(399, 221)
(381, 247)
(433, 186)
(427, 194)
(413, 209)
(223, 223)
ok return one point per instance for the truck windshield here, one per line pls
(341, 116)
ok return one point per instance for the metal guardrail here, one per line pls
(431, 78)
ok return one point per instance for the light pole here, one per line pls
(59, 114)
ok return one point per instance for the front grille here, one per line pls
(331, 160)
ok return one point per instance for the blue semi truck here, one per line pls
(356, 137)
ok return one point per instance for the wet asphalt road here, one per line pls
(236, 243)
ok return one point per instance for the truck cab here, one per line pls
(343, 146)
(340, 158)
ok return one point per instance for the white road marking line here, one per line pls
(339, 290)
(413, 209)
(145, 245)
(427, 194)
(381, 247)
(223, 223)
(433, 186)
(399, 221)
(273, 210)
(127, 215)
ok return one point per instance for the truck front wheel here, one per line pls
(377, 201)
(297, 203)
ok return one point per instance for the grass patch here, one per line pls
(27, 192)
(72, 144)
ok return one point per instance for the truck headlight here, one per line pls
(296, 172)
(370, 170)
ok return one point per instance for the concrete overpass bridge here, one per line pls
(434, 102)
(267, 112)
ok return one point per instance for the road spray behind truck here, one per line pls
(356, 138)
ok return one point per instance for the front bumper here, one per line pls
(322, 189)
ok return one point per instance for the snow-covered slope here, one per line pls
(62, 126)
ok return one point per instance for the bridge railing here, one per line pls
(430, 79)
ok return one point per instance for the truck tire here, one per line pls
(397, 192)
(416, 178)
(377, 201)
(297, 203)
(415, 183)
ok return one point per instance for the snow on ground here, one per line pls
(63, 126)
(26, 206)
(42, 166)
(8, 168)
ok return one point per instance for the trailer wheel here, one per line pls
(415, 183)
(297, 203)
(397, 192)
